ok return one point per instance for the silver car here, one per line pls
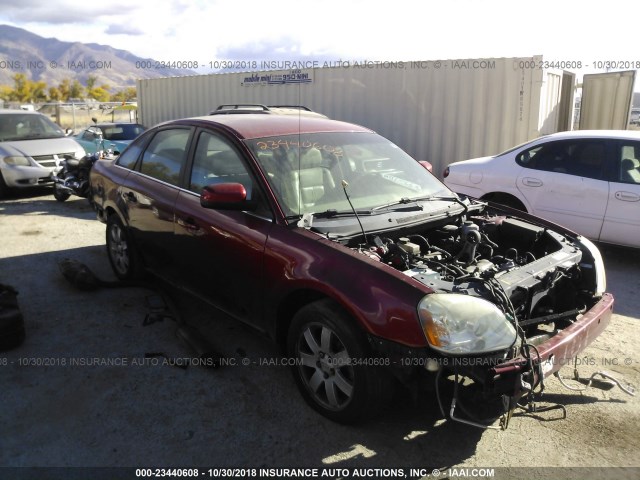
(31, 148)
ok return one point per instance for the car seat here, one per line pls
(310, 179)
(630, 171)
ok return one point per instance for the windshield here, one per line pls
(125, 131)
(307, 172)
(23, 126)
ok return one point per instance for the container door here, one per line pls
(606, 100)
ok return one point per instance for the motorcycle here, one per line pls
(73, 177)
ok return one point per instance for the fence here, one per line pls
(79, 115)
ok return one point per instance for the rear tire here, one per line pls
(121, 250)
(324, 340)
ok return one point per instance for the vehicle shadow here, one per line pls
(41, 202)
(34, 192)
(47, 205)
(622, 265)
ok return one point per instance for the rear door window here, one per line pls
(130, 156)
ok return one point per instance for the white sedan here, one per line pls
(587, 181)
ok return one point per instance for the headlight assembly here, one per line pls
(17, 161)
(460, 324)
(598, 264)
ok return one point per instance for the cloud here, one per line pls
(118, 29)
(278, 48)
(60, 12)
(206, 30)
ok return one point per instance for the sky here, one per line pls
(398, 30)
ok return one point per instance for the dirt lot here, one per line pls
(145, 413)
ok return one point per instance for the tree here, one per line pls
(22, 88)
(26, 90)
(100, 94)
(5, 92)
(38, 92)
(64, 88)
(125, 95)
(91, 82)
(55, 94)
(76, 90)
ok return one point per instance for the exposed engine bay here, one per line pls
(542, 280)
(535, 275)
(508, 297)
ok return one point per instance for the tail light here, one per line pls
(446, 172)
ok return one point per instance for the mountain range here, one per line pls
(52, 60)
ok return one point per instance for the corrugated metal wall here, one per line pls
(550, 102)
(606, 100)
(436, 111)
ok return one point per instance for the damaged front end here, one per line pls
(513, 302)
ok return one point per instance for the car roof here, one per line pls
(626, 134)
(257, 125)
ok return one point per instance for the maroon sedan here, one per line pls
(350, 254)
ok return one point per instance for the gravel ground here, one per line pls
(146, 412)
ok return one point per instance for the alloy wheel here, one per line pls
(325, 366)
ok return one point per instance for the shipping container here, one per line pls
(440, 111)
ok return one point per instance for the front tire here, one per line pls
(59, 194)
(324, 341)
(121, 250)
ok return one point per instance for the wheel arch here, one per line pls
(293, 302)
(505, 198)
(109, 210)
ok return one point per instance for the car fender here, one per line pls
(381, 299)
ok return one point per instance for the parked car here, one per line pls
(588, 181)
(31, 148)
(353, 257)
(108, 136)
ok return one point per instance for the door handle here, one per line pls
(531, 182)
(189, 225)
(627, 196)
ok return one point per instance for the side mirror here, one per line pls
(426, 165)
(226, 196)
